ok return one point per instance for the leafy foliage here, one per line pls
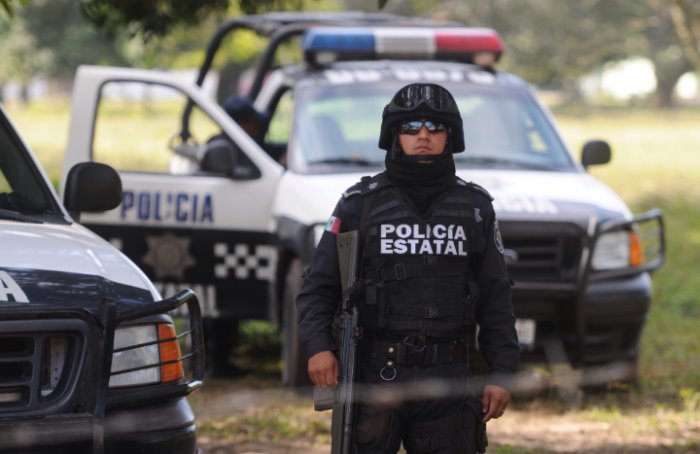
(157, 18)
(9, 5)
(148, 18)
(19, 53)
(259, 6)
(58, 29)
(686, 22)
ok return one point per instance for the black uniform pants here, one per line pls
(411, 409)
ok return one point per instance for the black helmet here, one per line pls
(422, 100)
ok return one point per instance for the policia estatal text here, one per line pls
(431, 270)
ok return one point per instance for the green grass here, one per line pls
(654, 152)
(280, 423)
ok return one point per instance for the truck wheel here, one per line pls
(294, 372)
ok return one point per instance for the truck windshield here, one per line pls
(503, 127)
(23, 193)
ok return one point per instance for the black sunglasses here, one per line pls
(413, 127)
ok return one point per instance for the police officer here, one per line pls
(431, 269)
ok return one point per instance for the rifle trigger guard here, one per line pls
(390, 373)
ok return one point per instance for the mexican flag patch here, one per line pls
(333, 225)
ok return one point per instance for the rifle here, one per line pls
(341, 398)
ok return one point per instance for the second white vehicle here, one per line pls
(239, 224)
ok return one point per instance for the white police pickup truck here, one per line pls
(240, 223)
(89, 358)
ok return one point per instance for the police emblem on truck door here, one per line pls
(168, 255)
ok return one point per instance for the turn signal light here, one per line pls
(169, 351)
(636, 249)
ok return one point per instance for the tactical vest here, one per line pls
(416, 278)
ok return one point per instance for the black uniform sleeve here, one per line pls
(320, 293)
(498, 341)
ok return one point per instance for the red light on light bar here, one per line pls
(471, 40)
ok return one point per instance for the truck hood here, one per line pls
(50, 260)
(518, 195)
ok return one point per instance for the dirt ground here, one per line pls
(526, 428)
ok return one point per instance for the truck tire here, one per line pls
(294, 371)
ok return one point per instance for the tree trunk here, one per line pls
(667, 74)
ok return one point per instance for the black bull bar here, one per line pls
(649, 227)
(87, 424)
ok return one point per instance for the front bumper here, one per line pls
(166, 428)
(614, 319)
(86, 416)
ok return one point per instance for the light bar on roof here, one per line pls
(324, 45)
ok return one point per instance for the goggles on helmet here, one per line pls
(412, 96)
(413, 127)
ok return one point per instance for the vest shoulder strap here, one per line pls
(369, 187)
(475, 188)
(353, 190)
(374, 183)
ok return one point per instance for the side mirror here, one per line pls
(595, 152)
(91, 186)
(221, 156)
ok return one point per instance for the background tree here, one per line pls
(59, 27)
(549, 43)
(159, 17)
(20, 56)
(685, 15)
(664, 49)
(8, 6)
(552, 43)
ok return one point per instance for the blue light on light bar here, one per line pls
(336, 39)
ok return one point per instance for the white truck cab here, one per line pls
(89, 358)
(240, 223)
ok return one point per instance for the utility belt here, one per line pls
(416, 350)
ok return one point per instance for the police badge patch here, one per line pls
(497, 237)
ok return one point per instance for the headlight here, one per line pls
(616, 250)
(144, 355)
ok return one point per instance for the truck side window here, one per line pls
(20, 188)
(137, 129)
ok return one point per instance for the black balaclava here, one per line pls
(422, 181)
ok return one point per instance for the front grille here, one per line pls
(39, 361)
(539, 253)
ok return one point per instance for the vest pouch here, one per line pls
(420, 306)
(470, 302)
(373, 310)
(447, 322)
(454, 307)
